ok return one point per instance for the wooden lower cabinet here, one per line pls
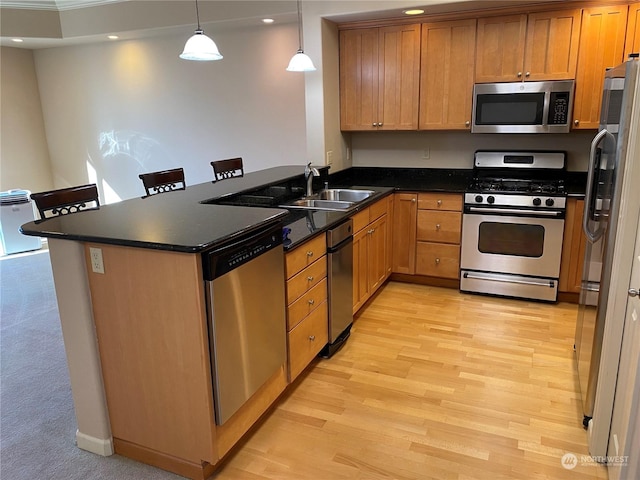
(307, 312)
(573, 248)
(438, 260)
(371, 250)
(403, 242)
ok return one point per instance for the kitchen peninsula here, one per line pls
(144, 388)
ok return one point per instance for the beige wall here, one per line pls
(114, 110)
(24, 157)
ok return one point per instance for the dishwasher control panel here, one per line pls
(228, 257)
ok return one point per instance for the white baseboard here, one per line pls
(98, 446)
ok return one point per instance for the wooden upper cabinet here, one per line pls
(534, 47)
(447, 75)
(500, 48)
(632, 43)
(379, 78)
(602, 40)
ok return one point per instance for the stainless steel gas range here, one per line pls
(513, 225)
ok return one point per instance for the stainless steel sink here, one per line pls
(319, 204)
(344, 194)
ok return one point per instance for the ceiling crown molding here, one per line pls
(55, 5)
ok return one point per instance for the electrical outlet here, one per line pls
(426, 154)
(97, 266)
(330, 157)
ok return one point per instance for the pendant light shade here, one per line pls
(300, 62)
(200, 47)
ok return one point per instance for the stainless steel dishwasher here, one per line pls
(340, 286)
(246, 315)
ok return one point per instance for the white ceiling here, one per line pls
(54, 23)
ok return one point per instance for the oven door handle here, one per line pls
(538, 283)
(593, 236)
(513, 211)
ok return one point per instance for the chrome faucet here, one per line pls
(309, 173)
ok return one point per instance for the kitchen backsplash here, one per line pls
(455, 149)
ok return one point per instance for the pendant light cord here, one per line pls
(299, 25)
(198, 15)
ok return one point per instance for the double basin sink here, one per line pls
(331, 199)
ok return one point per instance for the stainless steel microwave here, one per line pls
(523, 107)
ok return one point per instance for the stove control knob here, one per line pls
(478, 198)
(491, 199)
(537, 202)
(549, 202)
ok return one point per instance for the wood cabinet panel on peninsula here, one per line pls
(371, 250)
(538, 46)
(573, 246)
(379, 76)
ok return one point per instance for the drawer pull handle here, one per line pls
(439, 202)
(437, 261)
(311, 301)
(312, 337)
(310, 278)
(437, 226)
(309, 253)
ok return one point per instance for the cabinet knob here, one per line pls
(634, 292)
(467, 123)
(312, 337)
(527, 74)
(439, 202)
(309, 253)
(310, 279)
(576, 122)
(380, 124)
(413, 200)
(519, 74)
(311, 301)
(437, 226)
(437, 261)
(374, 124)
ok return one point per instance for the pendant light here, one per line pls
(200, 47)
(300, 62)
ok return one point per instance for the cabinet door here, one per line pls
(403, 256)
(500, 48)
(359, 79)
(378, 247)
(601, 46)
(361, 286)
(399, 77)
(573, 246)
(551, 51)
(632, 43)
(447, 75)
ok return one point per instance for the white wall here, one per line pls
(455, 149)
(129, 107)
(24, 157)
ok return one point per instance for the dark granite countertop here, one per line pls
(183, 221)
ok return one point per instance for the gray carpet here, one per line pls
(37, 421)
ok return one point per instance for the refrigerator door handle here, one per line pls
(593, 160)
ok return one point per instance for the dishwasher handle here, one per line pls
(221, 260)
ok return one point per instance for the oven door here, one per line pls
(511, 255)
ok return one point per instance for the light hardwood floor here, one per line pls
(431, 384)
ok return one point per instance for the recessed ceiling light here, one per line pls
(413, 11)
(17, 40)
(113, 37)
(268, 20)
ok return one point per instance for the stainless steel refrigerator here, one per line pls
(602, 206)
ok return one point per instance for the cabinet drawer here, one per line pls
(307, 303)
(307, 339)
(435, 226)
(438, 260)
(305, 255)
(360, 220)
(307, 278)
(377, 209)
(440, 201)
